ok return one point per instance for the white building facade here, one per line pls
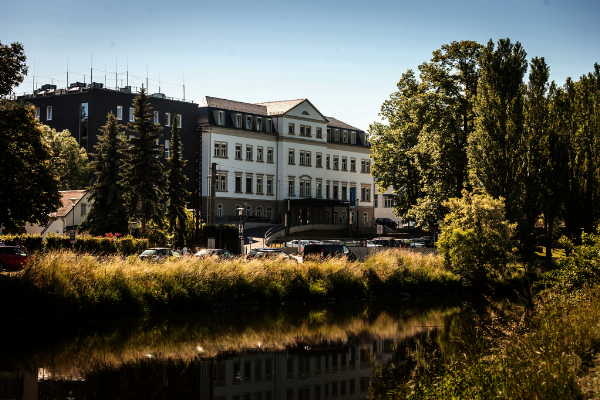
(275, 155)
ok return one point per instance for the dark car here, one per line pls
(13, 258)
(268, 253)
(158, 253)
(220, 253)
(327, 250)
(386, 222)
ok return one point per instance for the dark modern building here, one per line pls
(83, 111)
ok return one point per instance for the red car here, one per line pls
(12, 258)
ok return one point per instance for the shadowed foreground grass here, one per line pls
(73, 285)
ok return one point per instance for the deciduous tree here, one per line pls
(69, 161)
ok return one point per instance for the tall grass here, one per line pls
(543, 352)
(85, 285)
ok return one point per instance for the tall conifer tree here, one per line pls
(143, 173)
(108, 213)
(176, 187)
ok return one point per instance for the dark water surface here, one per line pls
(295, 352)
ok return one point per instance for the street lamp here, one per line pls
(73, 201)
(241, 230)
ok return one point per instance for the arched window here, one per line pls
(335, 217)
(259, 211)
(343, 217)
(219, 210)
(248, 211)
(327, 216)
(269, 213)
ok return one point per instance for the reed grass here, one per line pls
(74, 284)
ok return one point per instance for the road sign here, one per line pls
(250, 239)
(379, 229)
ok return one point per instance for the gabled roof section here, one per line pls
(224, 104)
(282, 107)
(339, 124)
(67, 205)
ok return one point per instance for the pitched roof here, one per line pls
(339, 124)
(239, 106)
(281, 107)
(67, 205)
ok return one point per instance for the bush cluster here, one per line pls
(94, 245)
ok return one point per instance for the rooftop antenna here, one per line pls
(33, 83)
(128, 72)
(104, 74)
(146, 77)
(91, 69)
(116, 81)
(159, 82)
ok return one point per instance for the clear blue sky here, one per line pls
(345, 56)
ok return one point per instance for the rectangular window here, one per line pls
(291, 187)
(83, 210)
(220, 118)
(259, 154)
(305, 188)
(353, 165)
(119, 112)
(352, 137)
(366, 194)
(269, 154)
(220, 149)
(259, 185)
(248, 152)
(388, 201)
(344, 164)
(291, 129)
(344, 190)
(319, 161)
(248, 184)
(327, 162)
(222, 182)
(238, 121)
(49, 113)
(327, 191)
(307, 158)
(307, 131)
(336, 135)
(248, 122)
(259, 124)
(319, 189)
(362, 165)
(131, 117)
(319, 133)
(335, 191)
(167, 119)
(328, 135)
(238, 184)
(37, 113)
(375, 199)
(155, 118)
(291, 157)
(345, 137)
(301, 157)
(238, 151)
(302, 130)
(167, 148)
(258, 369)
(269, 125)
(269, 186)
(179, 121)
(335, 162)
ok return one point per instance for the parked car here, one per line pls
(327, 250)
(158, 253)
(417, 243)
(220, 253)
(386, 242)
(13, 258)
(268, 253)
(386, 222)
(370, 243)
(404, 242)
(428, 240)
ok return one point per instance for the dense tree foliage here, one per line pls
(143, 180)
(108, 214)
(69, 161)
(28, 187)
(176, 192)
(477, 239)
(472, 122)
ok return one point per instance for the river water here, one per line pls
(291, 352)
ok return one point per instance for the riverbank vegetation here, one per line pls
(73, 285)
(545, 347)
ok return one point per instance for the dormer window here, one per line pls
(248, 122)
(345, 136)
(352, 137)
(221, 118)
(269, 125)
(238, 121)
(259, 124)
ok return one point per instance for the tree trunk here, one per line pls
(548, 226)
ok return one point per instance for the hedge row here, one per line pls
(96, 245)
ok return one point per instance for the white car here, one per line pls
(370, 243)
(294, 243)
